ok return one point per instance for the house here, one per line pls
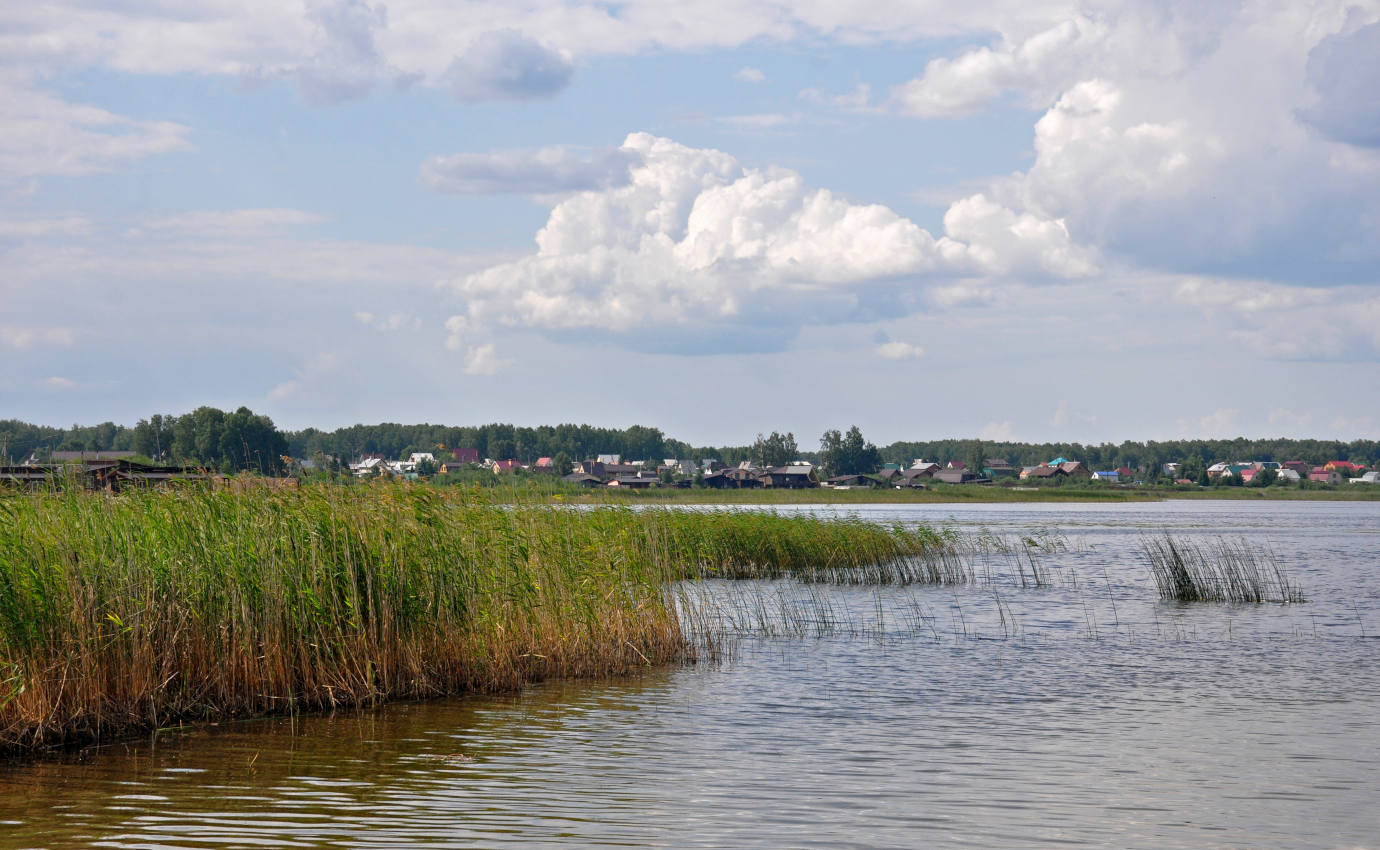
(960, 476)
(1372, 477)
(1300, 467)
(745, 477)
(451, 467)
(852, 481)
(609, 458)
(1170, 469)
(632, 481)
(955, 464)
(1107, 475)
(544, 464)
(712, 465)
(369, 465)
(116, 474)
(997, 467)
(583, 479)
(1043, 472)
(1345, 467)
(465, 455)
(795, 476)
(1323, 475)
(1075, 469)
(718, 481)
(1248, 475)
(418, 457)
(1184, 481)
(1125, 472)
(889, 474)
(506, 465)
(916, 475)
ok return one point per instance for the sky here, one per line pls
(1035, 220)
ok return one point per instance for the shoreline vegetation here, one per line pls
(123, 613)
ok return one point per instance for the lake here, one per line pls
(1082, 712)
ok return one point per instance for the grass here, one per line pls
(1222, 570)
(121, 613)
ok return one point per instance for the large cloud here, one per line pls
(1344, 70)
(1174, 140)
(695, 242)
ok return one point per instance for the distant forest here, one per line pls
(244, 440)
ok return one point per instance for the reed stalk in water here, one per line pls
(1221, 570)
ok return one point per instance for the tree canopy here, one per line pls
(775, 449)
(848, 454)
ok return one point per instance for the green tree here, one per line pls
(249, 442)
(776, 449)
(561, 463)
(153, 437)
(974, 461)
(848, 454)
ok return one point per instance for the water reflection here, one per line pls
(1106, 719)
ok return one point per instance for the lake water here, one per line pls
(1081, 713)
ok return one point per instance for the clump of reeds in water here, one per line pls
(126, 612)
(765, 545)
(1220, 570)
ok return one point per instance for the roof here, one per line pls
(789, 470)
(90, 455)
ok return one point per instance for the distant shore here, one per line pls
(970, 493)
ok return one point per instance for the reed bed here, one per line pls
(121, 613)
(1222, 570)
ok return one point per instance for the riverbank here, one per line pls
(125, 613)
(963, 494)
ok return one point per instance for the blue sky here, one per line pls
(1037, 221)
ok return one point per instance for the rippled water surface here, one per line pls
(1081, 713)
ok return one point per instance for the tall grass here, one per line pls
(126, 612)
(1222, 570)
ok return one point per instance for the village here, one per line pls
(115, 470)
(610, 470)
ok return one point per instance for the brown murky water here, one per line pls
(1082, 713)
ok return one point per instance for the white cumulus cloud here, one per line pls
(900, 351)
(696, 241)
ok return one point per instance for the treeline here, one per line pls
(499, 441)
(243, 440)
(208, 437)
